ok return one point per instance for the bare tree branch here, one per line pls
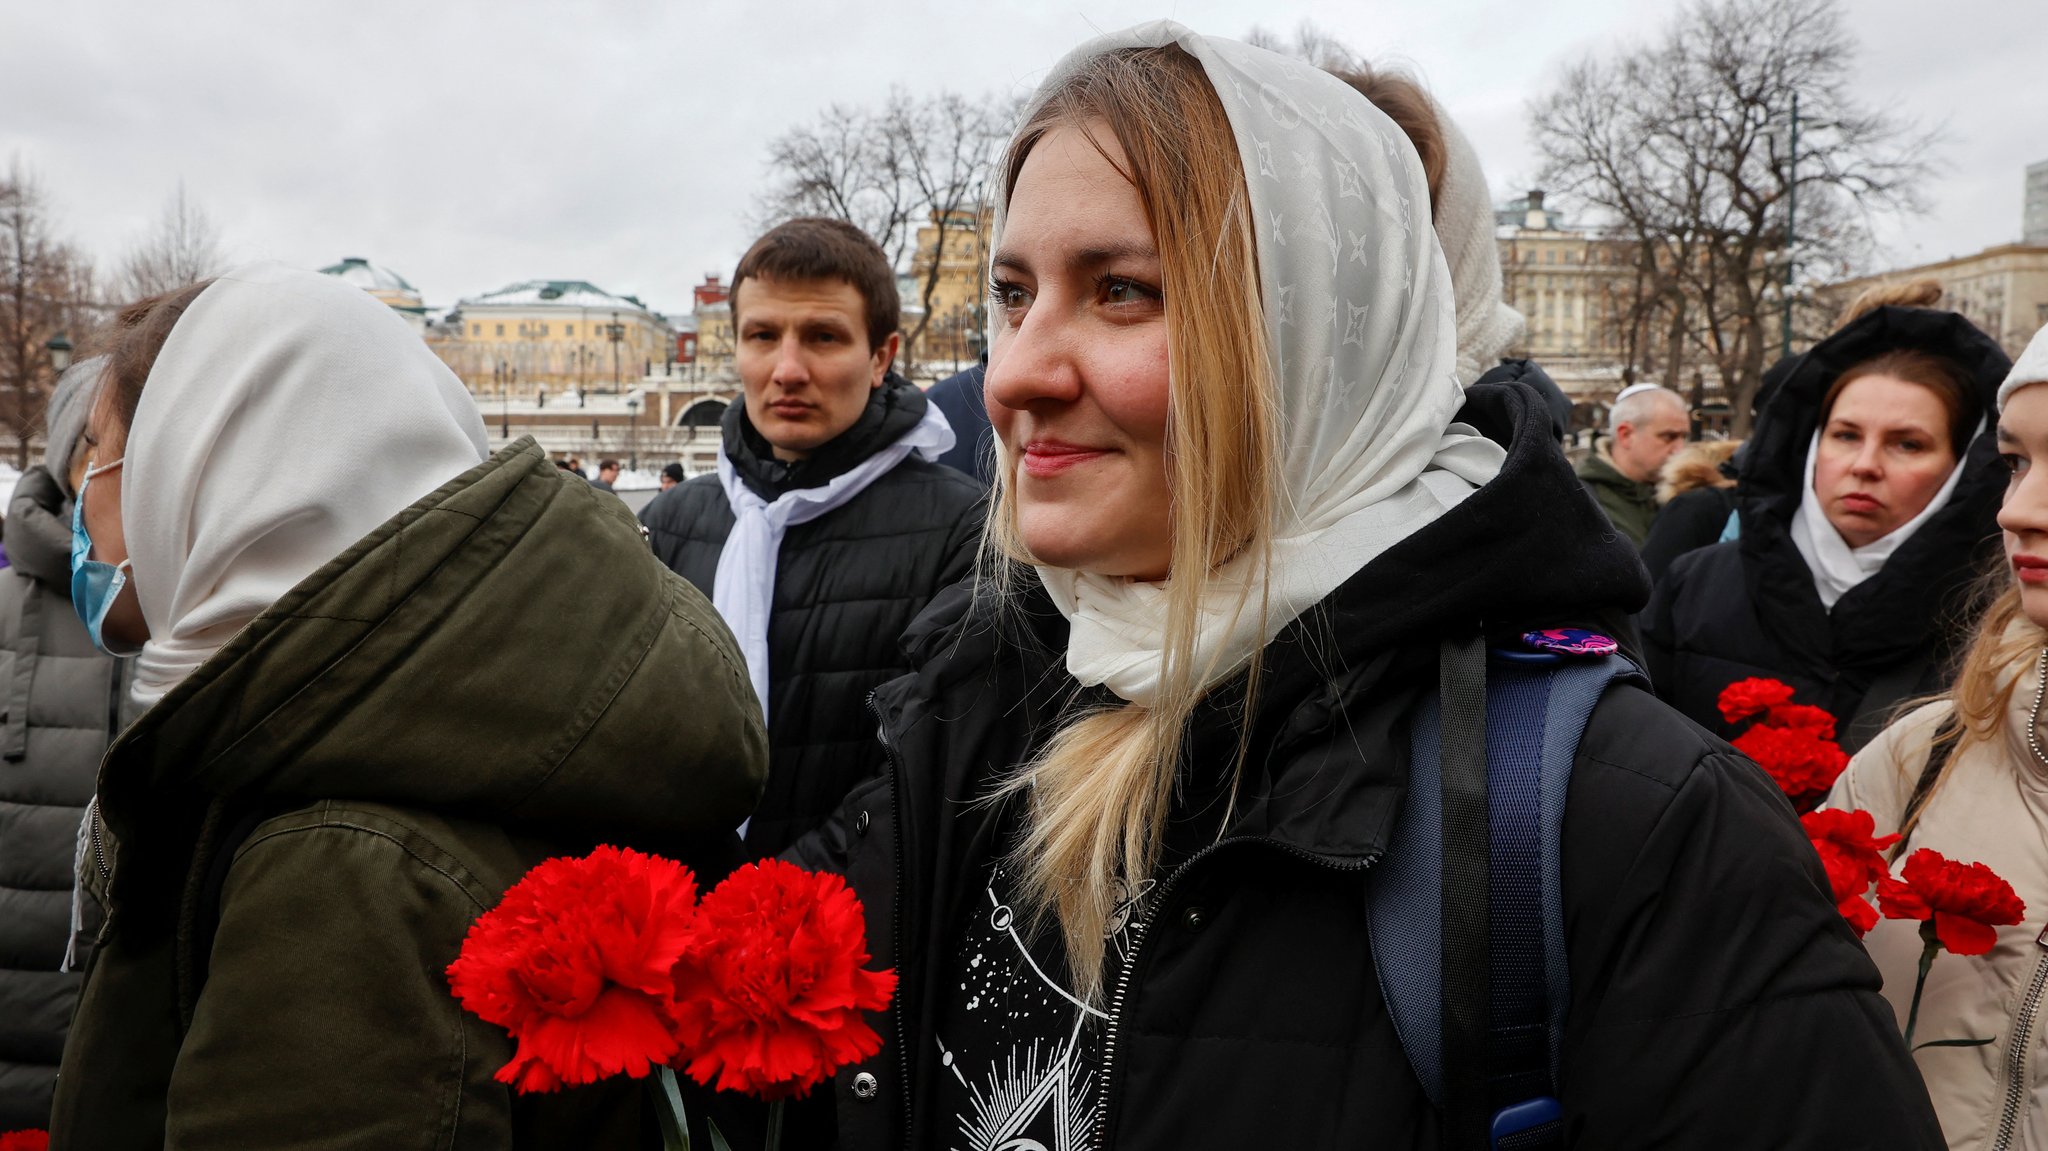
(1686, 147)
(183, 247)
(45, 290)
(916, 160)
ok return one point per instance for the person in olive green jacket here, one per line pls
(1646, 425)
(385, 677)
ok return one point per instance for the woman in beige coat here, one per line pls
(1967, 775)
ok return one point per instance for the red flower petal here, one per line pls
(1963, 935)
(1861, 916)
(1748, 697)
(1898, 900)
(29, 1139)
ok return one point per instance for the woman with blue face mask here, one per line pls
(378, 690)
(96, 586)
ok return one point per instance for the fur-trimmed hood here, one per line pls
(1694, 466)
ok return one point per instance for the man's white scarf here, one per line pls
(1358, 303)
(743, 590)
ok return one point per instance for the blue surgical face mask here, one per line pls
(94, 585)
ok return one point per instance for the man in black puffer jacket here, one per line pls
(854, 529)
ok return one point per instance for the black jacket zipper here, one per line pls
(903, 1061)
(1143, 929)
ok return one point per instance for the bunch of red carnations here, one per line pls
(610, 965)
(1961, 905)
(1793, 742)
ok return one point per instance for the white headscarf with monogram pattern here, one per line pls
(1359, 307)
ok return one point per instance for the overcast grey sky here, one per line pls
(470, 144)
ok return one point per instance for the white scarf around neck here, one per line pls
(1836, 567)
(743, 588)
(288, 415)
(1358, 302)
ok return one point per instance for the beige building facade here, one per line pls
(2003, 290)
(957, 242)
(1570, 283)
(556, 335)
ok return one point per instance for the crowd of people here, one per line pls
(1137, 681)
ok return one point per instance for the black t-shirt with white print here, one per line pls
(1020, 1054)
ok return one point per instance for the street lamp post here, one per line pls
(633, 432)
(1791, 211)
(616, 332)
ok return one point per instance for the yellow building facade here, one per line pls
(957, 244)
(554, 334)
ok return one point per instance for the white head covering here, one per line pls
(287, 416)
(1837, 567)
(2032, 368)
(1464, 226)
(1358, 304)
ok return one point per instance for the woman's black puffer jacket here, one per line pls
(1748, 607)
(1717, 998)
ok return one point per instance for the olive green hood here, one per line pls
(506, 649)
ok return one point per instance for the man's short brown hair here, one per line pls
(814, 248)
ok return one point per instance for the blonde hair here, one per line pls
(1098, 794)
(1981, 697)
(1922, 293)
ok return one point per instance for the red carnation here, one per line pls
(770, 995)
(32, 1139)
(1803, 716)
(1753, 696)
(1804, 763)
(1854, 858)
(574, 962)
(1964, 901)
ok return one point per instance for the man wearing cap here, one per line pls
(1646, 424)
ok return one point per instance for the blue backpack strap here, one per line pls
(1536, 705)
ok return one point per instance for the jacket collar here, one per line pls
(38, 531)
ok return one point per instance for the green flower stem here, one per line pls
(668, 1108)
(774, 1140)
(1927, 954)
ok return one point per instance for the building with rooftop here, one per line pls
(2034, 213)
(386, 285)
(2002, 289)
(1570, 282)
(556, 335)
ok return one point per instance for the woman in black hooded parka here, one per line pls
(1851, 579)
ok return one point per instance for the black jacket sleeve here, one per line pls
(1718, 998)
(1692, 520)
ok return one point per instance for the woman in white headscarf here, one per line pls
(1867, 498)
(380, 686)
(1150, 761)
